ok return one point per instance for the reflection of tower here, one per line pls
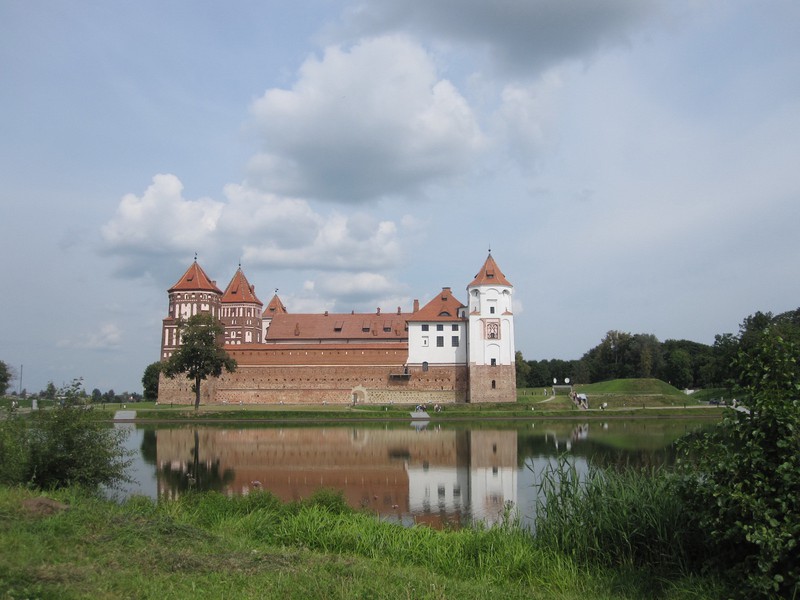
(493, 473)
(492, 374)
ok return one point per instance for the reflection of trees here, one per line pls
(595, 452)
(149, 447)
(195, 474)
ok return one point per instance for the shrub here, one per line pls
(742, 479)
(61, 447)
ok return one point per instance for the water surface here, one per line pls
(415, 473)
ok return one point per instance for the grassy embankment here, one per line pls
(624, 398)
(211, 546)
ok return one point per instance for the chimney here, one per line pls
(326, 313)
(379, 311)
(398, 310)
(416, 305)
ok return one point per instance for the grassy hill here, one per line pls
(631, 387)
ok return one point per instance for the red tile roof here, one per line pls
(239, 290)
(195, 280)
(444, 307)
(275, 307)
(367, 327)
(490, 273)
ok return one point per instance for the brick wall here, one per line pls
(480, 383)
(318, 384)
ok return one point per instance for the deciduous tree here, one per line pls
(200, 354)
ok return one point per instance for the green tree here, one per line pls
(678, 368)
(50, 391)
(150, 380)
(523, 370)
(97, 396)
(743, 477)
(63, 446)
(200, 354)
(5, 377)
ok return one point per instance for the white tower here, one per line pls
(491, 355)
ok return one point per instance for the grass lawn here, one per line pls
(210, 546)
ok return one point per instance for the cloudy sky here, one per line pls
(632, 164)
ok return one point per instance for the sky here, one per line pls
(631, 164)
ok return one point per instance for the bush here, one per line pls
(742, 479)
(61, 447)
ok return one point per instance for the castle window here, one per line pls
(494, 362)
(425, 366)
(440, 327)
(425, 327)
(455, 328)
(425, 341)
(494, 384)
(454, 341)
(491, 309)
(440, 341)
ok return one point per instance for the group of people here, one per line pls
(424, 408)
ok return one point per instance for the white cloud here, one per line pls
(265, 230)
(159, 223)
(353, 243)
(374, 120)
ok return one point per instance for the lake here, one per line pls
(442, 474)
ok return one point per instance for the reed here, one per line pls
(626, 518)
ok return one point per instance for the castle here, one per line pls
(443, 352)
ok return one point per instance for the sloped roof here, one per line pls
(337, 326)
(239, 290)
(489, 274)
(444, 307)
(195, 280)
(275, 307)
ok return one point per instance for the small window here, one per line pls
(440, 341)
(425, 366)
(491, 309)
(425, 342)
(454, 327)
(494, 362)
(455, 341)
(440, 327)
(425, 327)
(494, 384)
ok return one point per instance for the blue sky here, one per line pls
(632, 164)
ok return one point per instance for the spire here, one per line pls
(490, 273)
(195, 279)
(240, 290)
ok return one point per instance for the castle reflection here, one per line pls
(433, 476)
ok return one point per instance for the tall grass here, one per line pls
(628, 518)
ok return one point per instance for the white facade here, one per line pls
(491, 325)
(442, 343)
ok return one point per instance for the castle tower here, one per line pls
(275, 307)
(193, 293)
(241, 311)
(491, 354)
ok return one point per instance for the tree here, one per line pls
(523, 370)
(63, 446)
(5, 377)
(150, 381)
(50, 391)
(743, 476)
(97, 396)
(200, 354)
